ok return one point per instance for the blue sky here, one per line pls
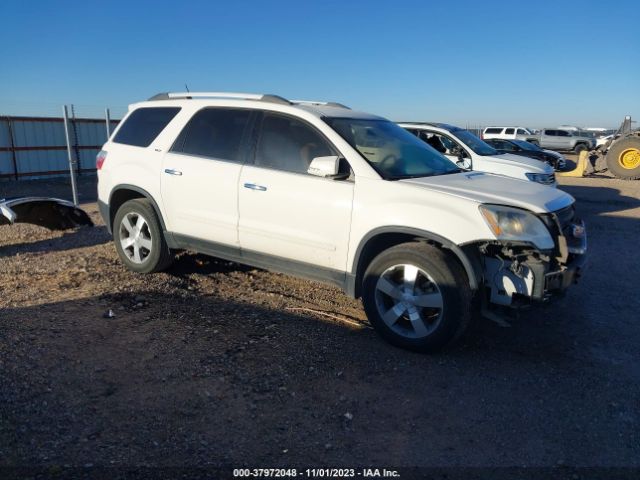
(476, 62)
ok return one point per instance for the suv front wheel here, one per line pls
(417, 296)
(138, 236)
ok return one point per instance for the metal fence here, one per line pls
(36, 147)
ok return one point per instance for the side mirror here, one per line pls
(326, 167)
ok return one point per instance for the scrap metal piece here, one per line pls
(51, 213)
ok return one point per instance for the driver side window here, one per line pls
(288, 144)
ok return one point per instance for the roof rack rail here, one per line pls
(240, 96)
(315, 102)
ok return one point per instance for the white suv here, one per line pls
(507, 133)
(469, 152)
(327, 193)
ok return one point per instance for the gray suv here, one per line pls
(565, 140)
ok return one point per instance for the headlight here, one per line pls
(543, 178)
(509, 223)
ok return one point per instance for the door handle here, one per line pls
(253, 186)
(171, 171)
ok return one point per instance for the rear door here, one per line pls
(564, 140)
(200, 175)
(284, 211)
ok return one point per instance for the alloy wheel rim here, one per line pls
(135, 237)
(409, 301)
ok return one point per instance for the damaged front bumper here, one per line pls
(518, 274)
(51, 213)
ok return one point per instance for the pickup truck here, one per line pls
(565, 140)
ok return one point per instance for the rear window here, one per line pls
(144, 125)
(215, 133)
(492, 130)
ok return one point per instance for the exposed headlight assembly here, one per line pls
(509, 223)
(543, 178)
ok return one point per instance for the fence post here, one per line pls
(107, 116)
(12, 142)
(72, 169)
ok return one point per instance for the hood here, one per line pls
(487, 188)
(531, 163)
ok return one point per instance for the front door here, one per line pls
(285, 213)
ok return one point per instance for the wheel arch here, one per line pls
(382, 238)
(123, 193)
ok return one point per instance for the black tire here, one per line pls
(451, 282)
(615, 154)
(580, 147)
(154, 259)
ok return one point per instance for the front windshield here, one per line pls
(391, 150)
(527, 146)
(474, 143)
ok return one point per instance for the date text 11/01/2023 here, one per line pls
(315, 473)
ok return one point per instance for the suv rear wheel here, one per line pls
(417, 297)
(138, 237)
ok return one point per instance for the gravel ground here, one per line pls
(213, 363)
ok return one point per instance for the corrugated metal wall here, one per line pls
(35, 147)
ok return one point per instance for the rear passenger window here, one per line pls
(289, 144)
(215, 133)
(551, 133)
(144, 125)
(509, 131)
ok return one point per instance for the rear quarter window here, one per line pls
(144, 125)
(493, 130)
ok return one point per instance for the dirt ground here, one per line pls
(217, 364)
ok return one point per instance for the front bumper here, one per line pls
(516, 276)
(559, 281)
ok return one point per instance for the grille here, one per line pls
(566, 216)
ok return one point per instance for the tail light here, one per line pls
(100, 158)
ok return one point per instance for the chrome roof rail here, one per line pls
(318, 103)
(239, 96)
